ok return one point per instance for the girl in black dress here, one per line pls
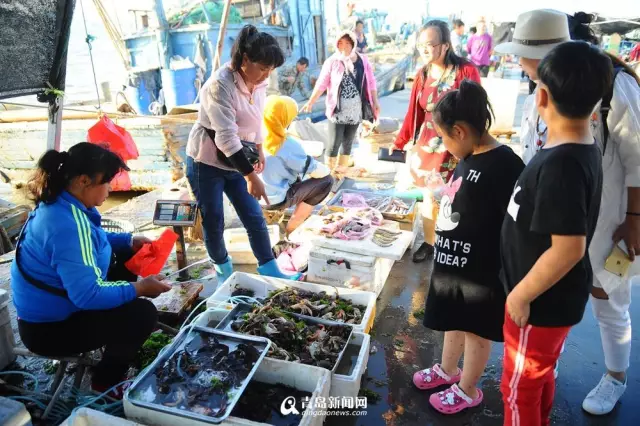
(466, 299)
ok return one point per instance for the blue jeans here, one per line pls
(208, 183)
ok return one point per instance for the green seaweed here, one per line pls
(372, 397)
(150, 349)
(419, 314)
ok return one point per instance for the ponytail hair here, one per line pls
(469, 104)
(580, 29)
(56, 170)
(445, 38)
(259, 47)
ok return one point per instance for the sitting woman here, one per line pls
(70, 288)
(287, 165)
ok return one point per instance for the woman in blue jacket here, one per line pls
(70, 288)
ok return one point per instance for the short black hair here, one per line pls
(473, 30)
(359, 22)
(469, 104)
(259, 47)
(458, 23)
(577, 75)
(303, 61)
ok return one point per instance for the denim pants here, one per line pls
(208, 183)
(341, 137)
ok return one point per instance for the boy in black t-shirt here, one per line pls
(547, 230)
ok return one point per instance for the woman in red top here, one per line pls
(443, 71)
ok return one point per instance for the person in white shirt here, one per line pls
(619, 218)
(456, 38)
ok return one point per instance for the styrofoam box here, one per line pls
(306, 378)
(213, 314)
(13, 413)
(298, 376)
(327, 266)
(263, 285)
(237, 242)
(89, 417)
(349, 386)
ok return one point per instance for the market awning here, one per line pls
(613, 26)
(35, 37)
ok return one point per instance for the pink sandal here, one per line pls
(453, 400)
(434, 377)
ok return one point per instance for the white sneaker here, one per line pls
(604, 397)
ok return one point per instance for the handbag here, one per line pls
(249, 148)
(367, 110)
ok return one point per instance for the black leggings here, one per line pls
(121, 330)
(341, 135)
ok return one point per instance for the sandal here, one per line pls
(453, 400)
(434, 377)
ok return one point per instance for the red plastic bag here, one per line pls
(121, 182)
(116, 138)
(151, 258)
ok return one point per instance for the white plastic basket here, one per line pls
(302, 377)
(89, 417)
(263, 285)
(349, 385)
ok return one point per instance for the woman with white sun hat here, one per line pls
(536, 33)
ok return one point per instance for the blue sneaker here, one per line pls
(224, 271)
(271, 269)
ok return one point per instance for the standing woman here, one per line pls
(442, 72)
(352, 97)
(226, 136)
(619, 221)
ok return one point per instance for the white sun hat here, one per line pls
(536, 33)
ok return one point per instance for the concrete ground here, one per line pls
(404, 346)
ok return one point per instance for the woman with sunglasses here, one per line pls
(443, 71)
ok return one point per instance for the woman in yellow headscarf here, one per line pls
(290, 176)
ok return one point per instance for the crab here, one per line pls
(303, 306)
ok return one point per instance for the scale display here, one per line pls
(175, 213)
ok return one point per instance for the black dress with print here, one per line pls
(465, 292)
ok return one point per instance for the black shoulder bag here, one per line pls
(36, 283)
(249, 149)
(307, 163)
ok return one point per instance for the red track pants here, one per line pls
(528, 385)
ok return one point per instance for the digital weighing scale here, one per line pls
(177, 214)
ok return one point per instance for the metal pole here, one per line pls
(222, 32)
(181, 253)
(54, 129)
(164, 42)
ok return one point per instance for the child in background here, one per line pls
(290, 176)
(466, 298)
(545, 236)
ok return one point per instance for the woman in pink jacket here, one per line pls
(348, 78)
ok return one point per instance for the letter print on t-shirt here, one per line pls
(514, 208)
(447, 219)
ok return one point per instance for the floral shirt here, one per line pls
(433, 155)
